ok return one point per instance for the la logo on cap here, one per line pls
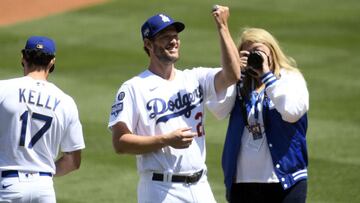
(164, 18)
(39, 46)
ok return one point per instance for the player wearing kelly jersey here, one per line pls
(37, 120)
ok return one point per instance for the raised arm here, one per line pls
(230, 58)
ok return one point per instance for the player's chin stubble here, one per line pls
(163, 55)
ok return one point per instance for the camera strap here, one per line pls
(242, 102)
(246, 108)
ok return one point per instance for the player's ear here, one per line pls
(147, 44)
(23, 62)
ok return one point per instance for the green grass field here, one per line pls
(100, 47)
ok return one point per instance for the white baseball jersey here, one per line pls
(37, 120)
(150, 105)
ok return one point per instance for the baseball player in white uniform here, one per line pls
(159, 114)
(37, 120)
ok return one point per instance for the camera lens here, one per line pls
(255, 60)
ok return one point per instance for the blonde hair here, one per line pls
(279, 59)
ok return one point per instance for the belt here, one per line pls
(193, 178)
(15, 173)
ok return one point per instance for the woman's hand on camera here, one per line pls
(265, 68)
(243, 59)
(265, 65)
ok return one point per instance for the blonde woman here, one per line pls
(265, 153)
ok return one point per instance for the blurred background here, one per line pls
(99, 47)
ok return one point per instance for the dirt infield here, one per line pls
(13, 11)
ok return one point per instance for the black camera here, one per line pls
(255, 60)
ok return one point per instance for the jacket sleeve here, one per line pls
(289, 94)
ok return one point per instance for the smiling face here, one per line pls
(165, 45)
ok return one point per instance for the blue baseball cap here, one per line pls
(45, 44)
(157, 23)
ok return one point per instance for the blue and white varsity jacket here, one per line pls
(285, 119)
(286, 142)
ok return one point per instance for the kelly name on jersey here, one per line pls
(37, 98)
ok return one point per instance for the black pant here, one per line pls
(268, 193)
